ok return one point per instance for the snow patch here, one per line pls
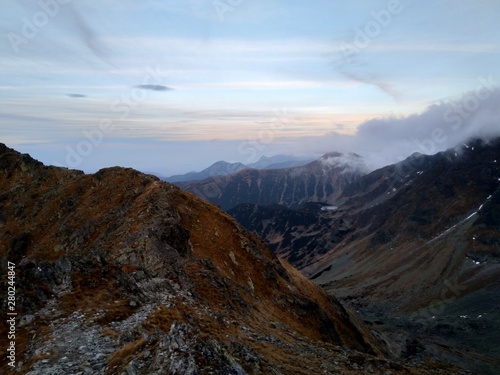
(329, 208)
(350, 162)
(459, 223)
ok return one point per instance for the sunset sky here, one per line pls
(172, 86)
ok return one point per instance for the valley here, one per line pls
(413, 247)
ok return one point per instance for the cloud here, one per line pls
(154, 87)
(85, 34)
(76, 95)
(441, 126)
(371, 80)
(359, 68)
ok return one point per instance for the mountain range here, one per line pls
(319, 181)
(414, 247)
(119, 272)
(223, 168)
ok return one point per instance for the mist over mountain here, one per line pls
(442, 125)
(391, 138)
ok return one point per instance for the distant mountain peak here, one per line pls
(349, 161)
(332, 154)
(219, 168)
(280, 161)
(223, 163)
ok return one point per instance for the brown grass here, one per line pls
(106, 331)
(163, 319)
(121, 357)
(92, 293)
(37, 358)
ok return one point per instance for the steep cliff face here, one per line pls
(118, 271)
(318, 181)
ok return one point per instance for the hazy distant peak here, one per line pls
(333, 154)
(280, 161)
(226, 165)
(219, 168)
(349, 161)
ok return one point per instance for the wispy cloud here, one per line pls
(371, 80)
(76, 95)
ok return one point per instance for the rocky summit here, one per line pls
(121, 273)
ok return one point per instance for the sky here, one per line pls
(173, 86)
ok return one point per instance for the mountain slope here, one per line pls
(118, 271)
(434, 212)
(433, 251)
(321, 180)
(302, 235)
(418, 240)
